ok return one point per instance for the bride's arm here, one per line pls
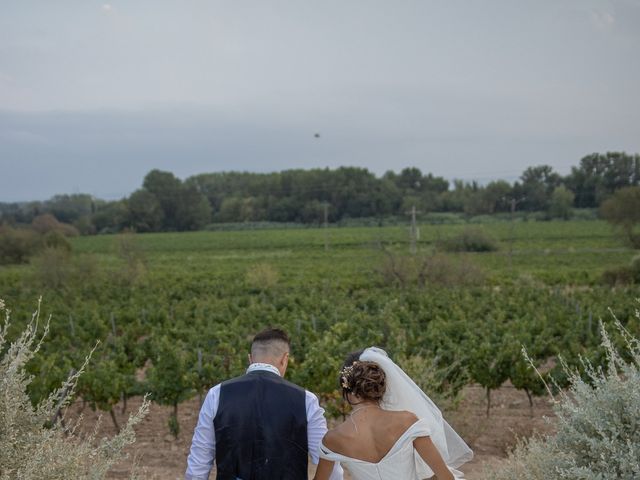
(323, 472)
(429, 453)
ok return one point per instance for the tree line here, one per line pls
(167, 203)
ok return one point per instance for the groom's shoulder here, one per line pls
(248, 378)
(292, 385)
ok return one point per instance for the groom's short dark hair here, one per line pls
(270, 341)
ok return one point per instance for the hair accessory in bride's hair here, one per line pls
(345, 375)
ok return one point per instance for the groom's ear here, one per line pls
(284, 361)
(249, 358)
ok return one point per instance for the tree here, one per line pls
(538, 184)
(561, 203)
(183, 206)
(386, 198)
(488, 351)
(229, 210)
(599, 175)
(167, 188)
(193, 209)
(145, 212)
(622, 210)
(490, 199)
(69, 208)
(110, 217)
(169, 378)
(455, 200)
(105, 383)
(410, 179)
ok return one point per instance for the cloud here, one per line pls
(5, 78)
(106, 7)
(23, 137)
(601, 20)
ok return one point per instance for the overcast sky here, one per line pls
(93, 95)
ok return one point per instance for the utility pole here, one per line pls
(413, 232)
(326, 226)
(514, 202)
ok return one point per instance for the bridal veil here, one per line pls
(402, 393)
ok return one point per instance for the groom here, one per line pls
(259, 426)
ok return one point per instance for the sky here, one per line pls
(94, 95)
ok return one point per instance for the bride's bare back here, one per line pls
(368, 433)
(373, 437)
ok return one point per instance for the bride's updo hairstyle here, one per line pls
(363, 379)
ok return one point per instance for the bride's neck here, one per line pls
(364, 404)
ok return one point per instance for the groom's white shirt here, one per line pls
(203, 445)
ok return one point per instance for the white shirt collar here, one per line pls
(263, 366)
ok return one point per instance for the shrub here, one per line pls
(55, 239)
(444, 271)
(625, 275)
(48, 223)
(622, 211)
(261, 276)
(598, 429)
(400, 270)
(52, 267)
(635, 266)
(28, 448)
(486, 218)
(584, 214)
(84, 269)
(561, 203)
(85, 226)
(617, 276)
(440, 218)
(471, 239)
(135, 263)
(420, 270)
(17, 244)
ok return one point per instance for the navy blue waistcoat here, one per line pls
(261, 429)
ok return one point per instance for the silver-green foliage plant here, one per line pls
(598, 423)
(34, 443)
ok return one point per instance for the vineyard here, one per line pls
(174, 312)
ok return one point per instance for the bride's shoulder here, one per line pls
(334, 438)
(405, 417)
(338, 435)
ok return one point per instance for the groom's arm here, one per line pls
(316, 429)
(203, 445)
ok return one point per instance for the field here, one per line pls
(175, 312)
(555, 252)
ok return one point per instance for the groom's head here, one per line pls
(271, 346)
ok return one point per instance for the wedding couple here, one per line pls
(262, 427)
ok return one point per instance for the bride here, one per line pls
(394, 430)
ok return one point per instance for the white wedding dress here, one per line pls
(402, 461)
